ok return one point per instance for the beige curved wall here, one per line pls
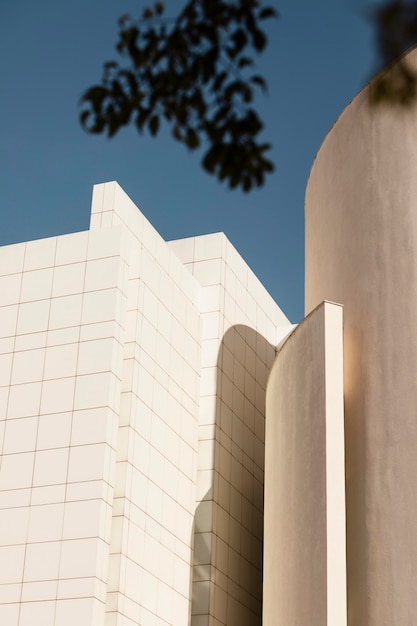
(304, 514)
(361, 251)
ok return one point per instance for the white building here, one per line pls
(132, 401)
(133, 387)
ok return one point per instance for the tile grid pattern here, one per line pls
(157, 448)
(132, 389)
(240, 329)
(54, 480)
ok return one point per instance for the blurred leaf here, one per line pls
(84, 115)
(176, 133)
(192, 139)
(159, 8)
(395, 23)
(259, 40)
(189, 71)
(141, 118)
(261, 82)
(244, 62)
(267, 13)
(154, 125)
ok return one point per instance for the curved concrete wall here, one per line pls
(304, 515)
(361, 250)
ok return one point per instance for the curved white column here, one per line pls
(304, 515)
(361, 250)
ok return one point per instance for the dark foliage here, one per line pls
(195, 72)
(395, 25)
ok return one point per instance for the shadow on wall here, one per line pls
(228, 533)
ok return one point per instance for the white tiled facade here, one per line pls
(132, 400)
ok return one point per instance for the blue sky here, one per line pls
(319, 55)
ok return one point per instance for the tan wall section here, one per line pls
(304, 542)
(361, 248)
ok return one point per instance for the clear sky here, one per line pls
(319, 55)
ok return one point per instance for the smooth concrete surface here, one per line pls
(361, 251)
(304, 516)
